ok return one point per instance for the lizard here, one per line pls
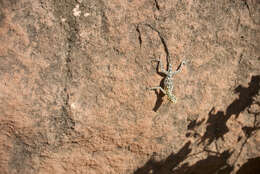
(168, 81)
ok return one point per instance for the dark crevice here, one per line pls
(247, 6)
(67, 121)
(163, 42)
(157, 5)
(139, 36)
(72, 38)
(161, 38)
(64, 122)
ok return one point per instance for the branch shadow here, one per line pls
(251, 166)
(216, 123)
(249, 131)
(216, 128)
(165, 166)
(216, 163)
(195, 123)
(245, 99)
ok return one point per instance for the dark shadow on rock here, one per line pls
(165, 166)
(245, 97)
(192, 126)
(216, 163)
(248, 131)
(252, 166)
(194, 123)
(217, 127)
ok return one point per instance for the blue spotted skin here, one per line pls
(168, 81)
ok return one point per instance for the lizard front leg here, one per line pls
(161, 68)
(179, 69)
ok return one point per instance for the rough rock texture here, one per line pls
(73, 79)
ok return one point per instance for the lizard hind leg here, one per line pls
(158, 87)
(172, 98)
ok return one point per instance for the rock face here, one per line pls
(74, 77)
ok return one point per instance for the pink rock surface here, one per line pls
(73, 79)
